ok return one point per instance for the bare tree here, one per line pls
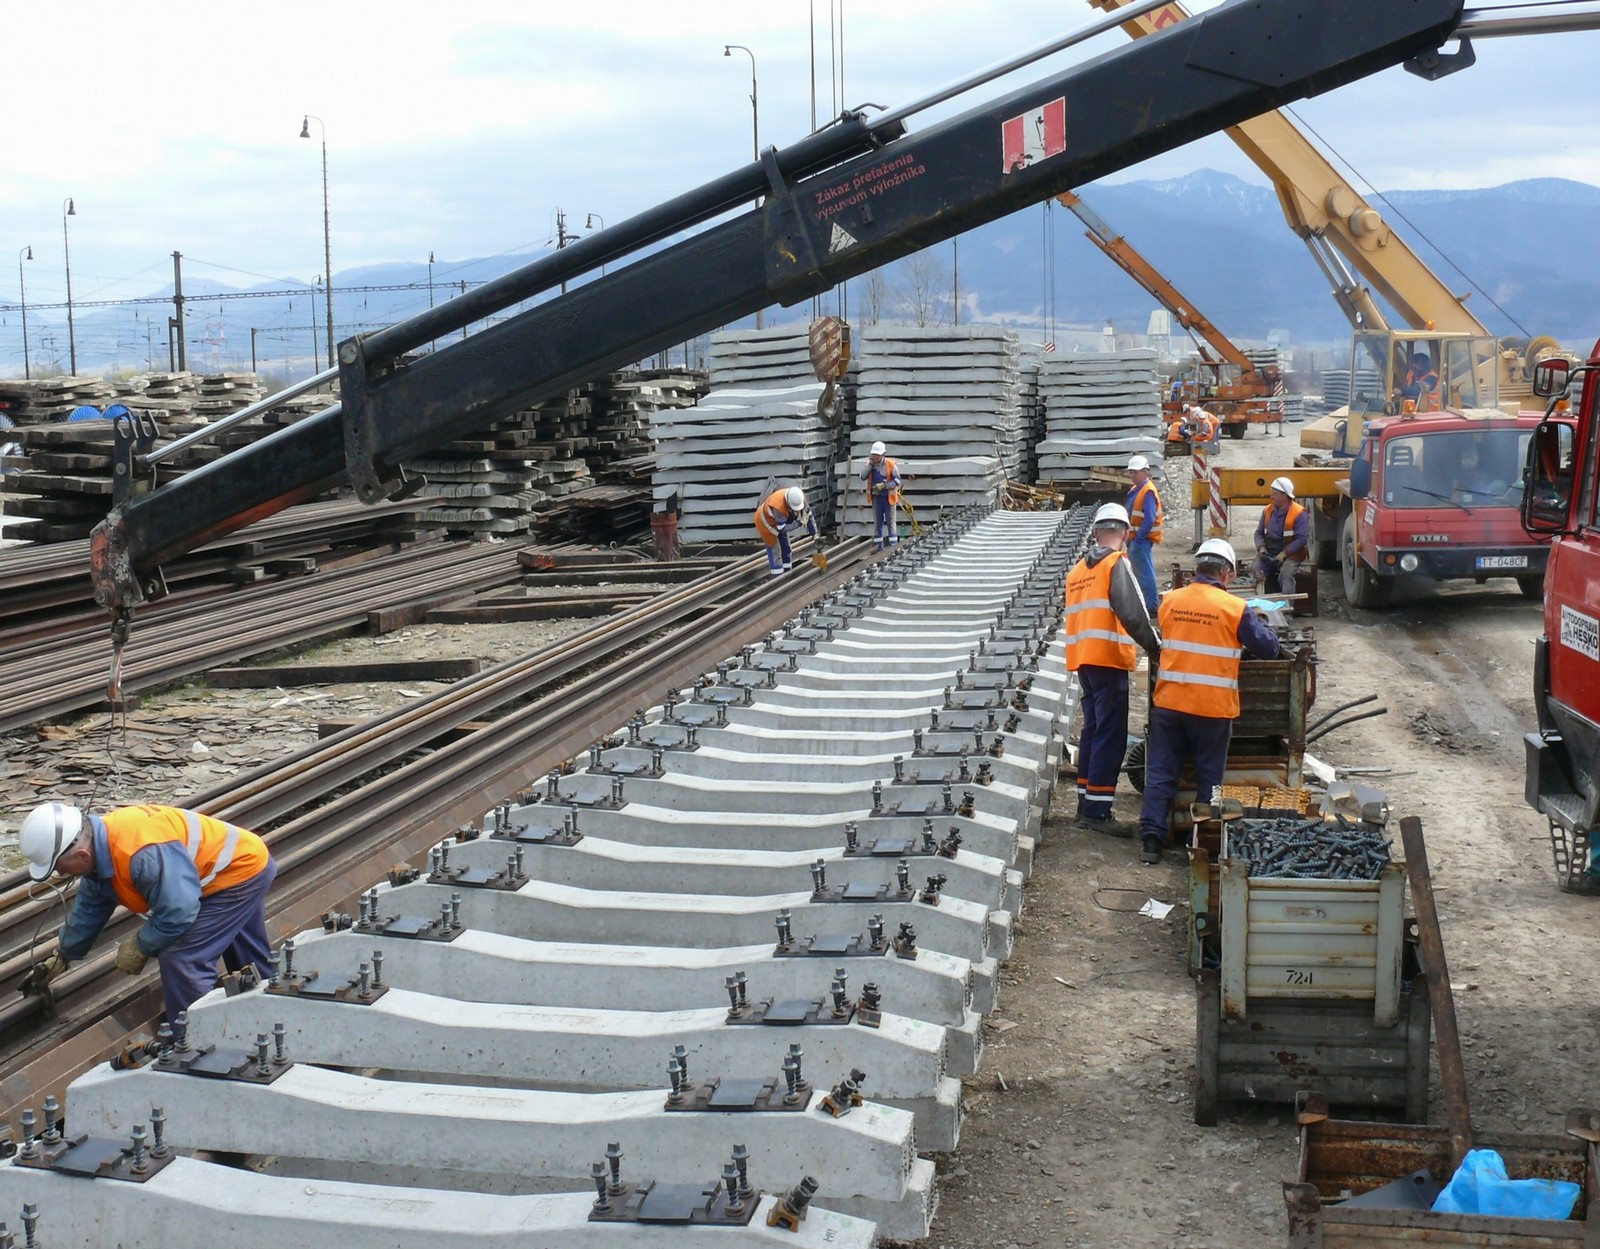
(926, 294)
(877, 297)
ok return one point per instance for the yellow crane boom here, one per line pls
(1348, 237)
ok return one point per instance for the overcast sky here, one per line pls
(460, 128)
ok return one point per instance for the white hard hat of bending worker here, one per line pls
(1138, 463)
(48, 830)
(795, 498)
(1283, 485)
(879, 449)
(1111, 514)
(1216, 548)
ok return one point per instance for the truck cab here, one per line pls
(1439, 495)
(1563, 507)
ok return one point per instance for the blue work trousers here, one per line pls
(1103, 739)
(232, 926)
(884, 529)
(779, 558)
(1142, 555)
(1172, 739)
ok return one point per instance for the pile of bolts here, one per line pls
(1294, 847)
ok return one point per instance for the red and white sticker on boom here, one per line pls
(1034, 136)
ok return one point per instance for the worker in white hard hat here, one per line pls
(1105, 620)
(882, 477)
(1144, 506)
(1283, 538)
(1204, 633)
(785, 508)
(200, 883)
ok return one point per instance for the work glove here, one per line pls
(1281, 556)
(130, 958)
(58, 963)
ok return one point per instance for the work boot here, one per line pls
(1108, 825)
(1151, 853)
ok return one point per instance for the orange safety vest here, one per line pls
(1095, 637)
(888, 472)
(1200, 651)
(224, 854)
(1136, 511)
(777, 502)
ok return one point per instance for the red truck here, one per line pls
(1436, 495)
(1561, 507)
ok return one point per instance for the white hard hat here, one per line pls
(795, 498)
(1285, 485)
(1112, 514)
(1186, 407)
(1138, 462)
(879, 449)
(48, 829)
(1217, 548)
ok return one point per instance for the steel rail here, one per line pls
(327, 856)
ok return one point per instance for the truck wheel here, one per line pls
(1362, 586)
(1531, 586)
(1236, 431)
(1327, 552)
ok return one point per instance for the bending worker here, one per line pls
(1105, 619)
(1204, 632)
(883, 491)
(1144, 504)
(201, 885)
(1283, 537)
(783, 509)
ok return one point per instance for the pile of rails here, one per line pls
(687, 927)
(1100, 409)
(756, 429)
(947, 401)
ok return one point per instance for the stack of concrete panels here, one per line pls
(947, 402)
(786, 891)
(756, 429)
(721, 457)
(1100, 409)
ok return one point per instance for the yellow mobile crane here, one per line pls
(1237, 388)
(1359, 253)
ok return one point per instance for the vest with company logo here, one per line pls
(776, 505)
(1095, 637)
(1200, 652)
(223, 854)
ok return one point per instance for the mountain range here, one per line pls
(1529, 251)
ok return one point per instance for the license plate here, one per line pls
(1502, 561)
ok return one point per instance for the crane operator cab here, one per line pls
(1399, 373)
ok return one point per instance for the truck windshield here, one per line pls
(1468, 468)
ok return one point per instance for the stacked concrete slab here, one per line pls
(785, 890)
(1100, 409)
(757, 428)
(947, 401)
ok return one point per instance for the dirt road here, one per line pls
(1080, 1129)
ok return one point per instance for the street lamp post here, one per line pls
(23, 288)
(588, 224)
(69, 210)
(327, 240)
(430, 279)
(755, 126)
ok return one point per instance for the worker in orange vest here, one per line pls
(883, 491)
(1204, 633)
(200, 883)
(780, 511)
(1283, 537)
(1144, 509)
(1105, 620)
